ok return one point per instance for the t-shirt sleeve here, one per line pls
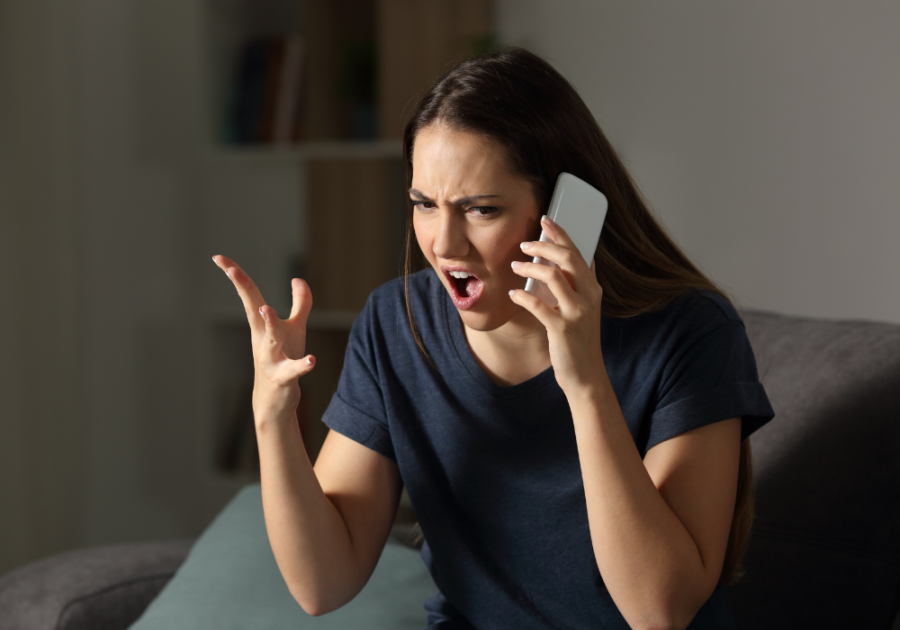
(710, 378)
(357, 408)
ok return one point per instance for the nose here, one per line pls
(450, 242)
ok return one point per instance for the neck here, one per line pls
(512, 353)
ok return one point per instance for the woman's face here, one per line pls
(470, 214)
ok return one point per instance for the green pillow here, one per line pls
(230, 580)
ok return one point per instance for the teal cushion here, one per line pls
(230, 580)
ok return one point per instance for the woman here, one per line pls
(571, 467)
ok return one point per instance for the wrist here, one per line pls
(273, 419)
(592, 395)
(274, 405)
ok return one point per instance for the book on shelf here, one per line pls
(266, 100)
(286, 126)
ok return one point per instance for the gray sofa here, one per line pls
(825, 547)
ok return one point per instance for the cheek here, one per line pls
(504, 242)
(423, 238)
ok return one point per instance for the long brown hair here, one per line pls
(518, 101)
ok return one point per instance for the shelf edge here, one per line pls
(307, 151)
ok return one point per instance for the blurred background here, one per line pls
(140, 137)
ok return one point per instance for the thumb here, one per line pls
(299, 367)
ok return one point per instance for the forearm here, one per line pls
(308, 536)
(647, 558)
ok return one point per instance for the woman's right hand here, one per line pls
(278, 345)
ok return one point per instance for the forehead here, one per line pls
(450, 162)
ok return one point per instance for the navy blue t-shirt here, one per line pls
(493, 472)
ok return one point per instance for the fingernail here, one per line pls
(511, 292)
(516, 264)
(309, 360)
(546, 219)
(261, 312)
(525, 245)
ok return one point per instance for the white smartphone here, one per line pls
(580, 209)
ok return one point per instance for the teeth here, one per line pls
(459, 274)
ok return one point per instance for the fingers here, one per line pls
(536, 306)
(296, 369)
(302, 300)
(557, 233)
(554, 278)
(246, 288)
(271, 352)
(566, 256)
(561, 249)
(570, 261)
(274, 336)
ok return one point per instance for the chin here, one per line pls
(485, 320)
(477, 321)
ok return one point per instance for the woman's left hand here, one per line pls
(573, 326)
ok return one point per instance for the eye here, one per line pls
(484, 211)
(420, 205)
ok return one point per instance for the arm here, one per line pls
(327, 527)
(659, 527)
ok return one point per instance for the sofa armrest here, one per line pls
(96, 588)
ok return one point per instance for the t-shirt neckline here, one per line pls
(453, 327)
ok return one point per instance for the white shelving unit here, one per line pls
(255, 211)
(304, 151)
(256, 201)
(253, 204)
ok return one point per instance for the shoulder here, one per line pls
(704, 330)
(693, 311)
(382, 332)
(695, 315)
(390, 297)
(385, 314)
(701, 309)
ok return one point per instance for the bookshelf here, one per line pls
(329, 205)
(301, 152)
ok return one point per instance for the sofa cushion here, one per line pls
(230, 580)
(825, 548)
(88, 589)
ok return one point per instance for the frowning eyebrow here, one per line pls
(458, 202)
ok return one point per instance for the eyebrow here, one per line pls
(458, 202)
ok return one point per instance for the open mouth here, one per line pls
(465, 287)
(462, 285)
